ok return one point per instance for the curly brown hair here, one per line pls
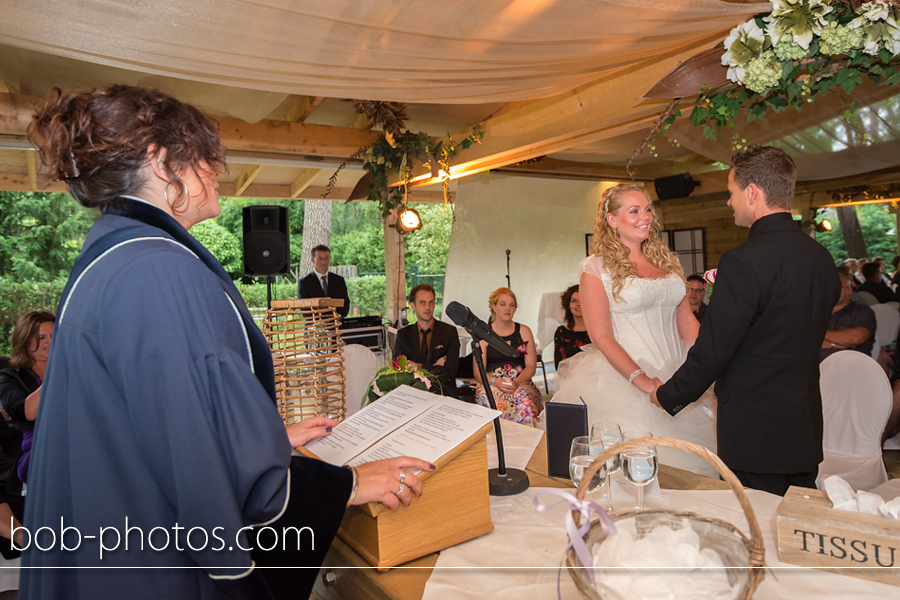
(564, 300)
(607, 246)
(24, 335)
(98, 142)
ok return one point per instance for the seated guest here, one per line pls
(852, 266)
(431, 344)
(874, 285)
(322, 284)
(20, 383)
(510, 378)
(696, 292)
(895, 278)
(882, 267)
(569, 338)
(852, 324)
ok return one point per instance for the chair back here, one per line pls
(550, 316)
(360, 366)
(887, 323)
(864, 297)
(856, 402)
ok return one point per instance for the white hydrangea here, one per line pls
(786, 50)
(763, 72)
(742, 45)
(838, 39)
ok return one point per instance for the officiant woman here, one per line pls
(158, 433)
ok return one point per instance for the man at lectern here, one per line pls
(430, 343)
(322, 284)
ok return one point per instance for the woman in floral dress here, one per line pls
(510, 377)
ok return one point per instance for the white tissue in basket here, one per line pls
(666, 563)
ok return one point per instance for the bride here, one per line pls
(641, 325)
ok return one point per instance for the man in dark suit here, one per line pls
(429, 343)
(761, 335)
(322, 284)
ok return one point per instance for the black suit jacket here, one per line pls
(444, 342)
(311, 287)
(759, 342)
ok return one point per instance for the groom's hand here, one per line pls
(656, 384)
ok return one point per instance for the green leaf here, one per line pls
(709, 133)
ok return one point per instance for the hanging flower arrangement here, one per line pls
(799, 51)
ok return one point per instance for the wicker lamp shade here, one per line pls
(308, 358)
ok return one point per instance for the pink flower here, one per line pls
(710, 275)
(523, 348)
(423, 379)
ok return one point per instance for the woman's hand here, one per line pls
(389, 481)
(506, 386)
(302, 433)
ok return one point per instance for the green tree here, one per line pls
(41, 234)
(222, 244)
(879, 229)
(363, 248)
(427, 248)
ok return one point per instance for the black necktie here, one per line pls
(424, 345)
(325, 285)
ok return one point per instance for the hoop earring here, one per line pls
(184, 195)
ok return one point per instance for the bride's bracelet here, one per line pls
(635, 374)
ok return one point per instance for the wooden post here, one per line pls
(394, 268)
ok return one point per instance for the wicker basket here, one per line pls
(745, 558)
(308, 358)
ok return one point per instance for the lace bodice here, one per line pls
(643, 317)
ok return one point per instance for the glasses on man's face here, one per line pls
(696, 290)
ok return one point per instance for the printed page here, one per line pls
(362, 429)
(433, 433)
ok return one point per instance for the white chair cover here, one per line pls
(856, 402)
(550, 316)
(887, 323)
(864, 297)
(360, 366)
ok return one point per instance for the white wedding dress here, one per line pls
(643, 322)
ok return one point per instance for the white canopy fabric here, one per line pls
(465, 51)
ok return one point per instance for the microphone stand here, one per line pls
(502, 481)
(507, 270)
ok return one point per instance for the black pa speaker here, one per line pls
(675, 186)
(266, 241)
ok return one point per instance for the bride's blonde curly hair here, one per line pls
(607, 246)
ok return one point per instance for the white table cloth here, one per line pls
(519, 559)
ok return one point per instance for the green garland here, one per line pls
(799, 51)
(394, 155)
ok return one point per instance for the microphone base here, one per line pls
(515, 482)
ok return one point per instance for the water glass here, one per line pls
(580, 458)
(603, 436)
(640, 464)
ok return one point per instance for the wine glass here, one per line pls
(603, 436)
(580, 458)
(639, 464)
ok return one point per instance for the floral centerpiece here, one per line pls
(800, 50)
(401, 372)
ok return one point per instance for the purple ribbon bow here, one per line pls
(576, 534)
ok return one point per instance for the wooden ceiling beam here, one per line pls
(31, 163)
(303, 108)
(278, 191)
(303, 181)
(245, 178)
(281, 136)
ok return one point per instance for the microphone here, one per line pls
(478, 329)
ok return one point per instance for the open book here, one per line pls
(404, 422)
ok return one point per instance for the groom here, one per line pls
(761, 335)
